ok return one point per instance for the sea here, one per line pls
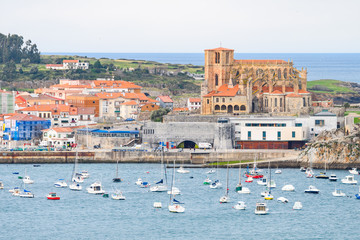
(338, 66)
(80, 215)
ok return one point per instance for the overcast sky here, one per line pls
(252, 26)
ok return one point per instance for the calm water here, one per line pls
(79, 215)
(339, 66)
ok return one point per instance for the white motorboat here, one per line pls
(75, 186)
(85, 174)
(349, 180)
(95, 188)
(333, 178)
(15, 192)
(145, 185)
(288, 188)
(182, 170)
(271, 184)
(264, 193)
(268, 196)
(26, 194)
(60, 184)
(278, 171)
(118, 196)
(261, 209)
(157, 205)
(211, 171)
(354, 171)
(262, 181)
(215, 184)
(27, 180)
(242, 190)
(240, 205)
(77, 178)
(297, 206)
(338, 193)
(282, 199)
(174, 191)
(312, 189)
(139, 182)
(224, 199)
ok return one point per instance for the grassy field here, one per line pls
(328, 86)
(356, 119)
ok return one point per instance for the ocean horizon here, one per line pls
(338, 66)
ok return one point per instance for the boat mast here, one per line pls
(270, 178)
(240, 174)
(172, 184)
(227, 180)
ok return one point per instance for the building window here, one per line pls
(293, 134)
(236, 108)
(223, 107)
(217, 57)
(264, 135)
(249, 135)
(275, 102)
(278, 135)
(216, 80)
(223, 99)
(298, 124)
(242, 108)
(304, 102)
(217, 99)
(280, 102)
(319, 123)
(208, 101)
(217, 107)
(227, 58)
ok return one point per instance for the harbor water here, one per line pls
(80, 215)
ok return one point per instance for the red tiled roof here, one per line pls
(115, 84)
(303, 91)
(277, 92)
(293, 95)
(165, 99)
(59, 129)
(259, 61)
(48, 107)
(228, 92)
(25, 117)
(180, 109)
(194, 99)
(220, 49)
(129, 103)
(105, 95)
(70, 61)
(70, 86)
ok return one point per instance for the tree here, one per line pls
(346, 105)
(9, 70)
(25, 62)
(34, 70)
(157, 116)
(97, 64)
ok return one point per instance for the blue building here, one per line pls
(21, 127)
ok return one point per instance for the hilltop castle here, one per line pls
(252, 86)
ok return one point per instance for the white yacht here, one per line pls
(216, 184)
(282, 199)
(262, 181)
(174, 191)
(60, 184)
(26, 194)
(78, 177)
(333, 178)
(118, 196)
(264, 193)
(288, 188)
(176, 208)
(139, 182)
(240, 206)
(271, 184)
(159, 187)
(182, 170)
(95, 188)
(354, 171)
(338, 193)
(27, 180)
(15, 192)
(85, 174)
(242, 190)
(312, 189)
(278, 171)
(75, 186)
(225, 199)
(349, 180)
(297, 206)
(207, 181)
(261, 209)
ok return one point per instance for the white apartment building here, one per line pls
(193, 103)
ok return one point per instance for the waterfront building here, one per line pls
(58, 137)
(252, 86)
(193, 103)
(7, 102)
(165, 102)
(24, 127)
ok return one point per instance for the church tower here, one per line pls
(218, 63)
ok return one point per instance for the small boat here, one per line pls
(207, 181)
(211, 171)
(288, 188)
(15, 192)
(139, 182)
(15, 173)
(242, 190)
(52, 196)
(26, 194)
(278, 171)
(226, 198)
(60, 184)
(159, 187)
(358, 195)
(297, 206)
(249, 180)
(269, 197)
(282, 199)
(85, 174)
(240, 205)
(1, 185)
(309, 173)
(262, 181)
(27, 180)
(116, 178)
(118, 196)
(157, 205)
(354, 171)
(96, 188)
(254, 175)
(75, 186)
(176, 207)
(78, 177)
(182, 170)
(322, 175)
(349, 180)
(174, 191)
(271, 184)
(302, 169)
(264, 193)
(338, 193)
(261, 209)
(312, 189)
(36, 165)
(105, 195)
(145, 185)
(333, 178)
(215, 184)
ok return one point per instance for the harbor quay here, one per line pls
(189, 158)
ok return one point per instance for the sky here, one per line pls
(186, 26)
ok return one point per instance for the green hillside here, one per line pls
(329, 86)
